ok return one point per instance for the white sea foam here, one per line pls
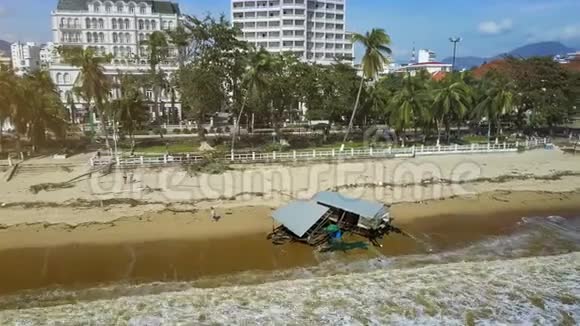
(542, 290)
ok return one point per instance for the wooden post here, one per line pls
(274, 155)
(422, 148)
(333, 153)
(352, 152)
(253, 156)
(294, 155)
(232, 155)
(314, 153)
(504, 145)
(371, 151)
(165, 158)
(142, 160)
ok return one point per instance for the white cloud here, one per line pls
(495, 27)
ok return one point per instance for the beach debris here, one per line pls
(327, 216)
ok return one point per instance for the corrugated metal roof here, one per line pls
(299, 216)
(363, 208)
(161, 7)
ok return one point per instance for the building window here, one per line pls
(114, 23)
(102, 37)
(141, 25)
(170, 25)
(127, 24)
(89, 37)
(128, 38)
(101, 23)
(59, 78)
(153, 25)
(147, 25)
(94, 23)
(108, 7)
(142, 10)
(132, 8)
(97, 7)
(119, 7)
(115, 38)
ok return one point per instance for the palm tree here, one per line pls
(158, 51)
(7, 80)
(452, 97)
(43, 109)
(91, 82)
(255, 81)
(409, 105)
(129, 109)
(180, 38)
(376, 44)
(496, 101)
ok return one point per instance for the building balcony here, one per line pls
(67, 26)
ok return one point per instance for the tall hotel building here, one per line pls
(116, 27)
(313, 30)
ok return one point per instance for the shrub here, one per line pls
(177, 131)
(186, 131)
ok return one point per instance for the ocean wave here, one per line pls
(541, 290)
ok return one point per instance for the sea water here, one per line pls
(531, 276)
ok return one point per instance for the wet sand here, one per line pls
(188, 246)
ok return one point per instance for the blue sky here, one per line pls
(488, 27)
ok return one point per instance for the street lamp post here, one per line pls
(454, 40)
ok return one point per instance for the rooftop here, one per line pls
(299, 216)
(363, 208)
(159, 6)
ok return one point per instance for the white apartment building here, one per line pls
(313, 30)
(116, 27)
(47, 51)
(25, 57)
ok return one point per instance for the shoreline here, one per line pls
(184, 247)
(197, 224)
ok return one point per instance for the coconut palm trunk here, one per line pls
(351, 122)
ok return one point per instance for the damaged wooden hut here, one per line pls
(309, 221)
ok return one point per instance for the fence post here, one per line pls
(165, 158)
(143, 160)
(253, 156)
(314, 153)
(371, 151)
(333, 153)
(456, 147)
(545, 140)
(413, 151)
(422, 148)
(232, 155)
(294, 155)
(504, 145)
(274, 155)
(352, 152)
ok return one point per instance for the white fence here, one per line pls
(317, 155)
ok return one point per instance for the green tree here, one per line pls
(254, 82)
(410, 105)
(495, 101)
(7, 98)
(92, 82)
(157, 52)
(451, 97)
(376, 44)
(130, 108)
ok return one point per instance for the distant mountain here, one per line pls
(5, 47)
(542, 49)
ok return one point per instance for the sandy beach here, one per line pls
(102, 233)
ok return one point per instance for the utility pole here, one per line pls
(454, 40)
